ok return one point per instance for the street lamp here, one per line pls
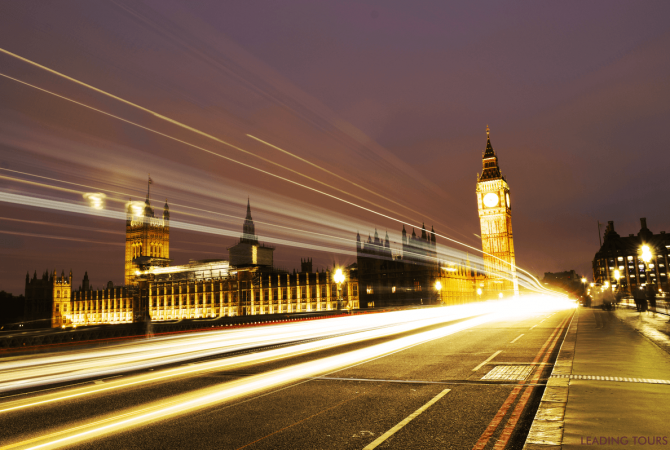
(438, 287)
(617, 277)
(646, 258)
(339, 279)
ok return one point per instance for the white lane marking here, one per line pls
(489, 359)
(407, 420)
(517, 338)
(533, 326)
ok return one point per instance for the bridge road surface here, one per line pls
(428, 395)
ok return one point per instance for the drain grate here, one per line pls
(508, 373)
(604, 378)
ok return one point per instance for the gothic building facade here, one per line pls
(619, 260)
(246, 284)
(413, 275)
(147, 236)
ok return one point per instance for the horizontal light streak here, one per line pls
(536, 283)
(186, 403)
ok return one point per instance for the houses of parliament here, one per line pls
(247, 283)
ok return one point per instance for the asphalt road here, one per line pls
(402, 388)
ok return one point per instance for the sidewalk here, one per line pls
(610, 384)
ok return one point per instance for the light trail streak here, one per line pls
(227, 391)
(181, 125)
(207, 135)
(62, 368)
(66, 367)
(335, 175)
(274, 225)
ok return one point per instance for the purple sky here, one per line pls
(392, 96)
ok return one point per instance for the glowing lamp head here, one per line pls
(500, 295)
(584, 280)
(479, 291)
(339, 276)
(438, 285)
(617, 274)
(646, 253)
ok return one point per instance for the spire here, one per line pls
(249, 230)
(491, 170)
(432, 234)
(423, 232)
(413, 233)
(489, 148)
(387, 241)
(166, 211)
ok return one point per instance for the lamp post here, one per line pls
(438, 287)
(645, 257)
(339, 279)
(617, 277)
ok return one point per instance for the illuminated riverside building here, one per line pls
(410, 276)
(147, 236)
(495, 218)
(248, 284)
(621, 256)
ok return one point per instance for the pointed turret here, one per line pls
(358, 241)
(423, 231)
(166, 211)
(376, 237)
(387, 241)
(432, 234)
(249, 230)
(413, 233)
(491, 170)
(404, 235)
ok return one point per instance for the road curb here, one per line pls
(546, 432)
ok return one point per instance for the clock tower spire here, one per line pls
(495, 218)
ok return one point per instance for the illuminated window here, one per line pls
(417, 286)
(630, 258)
(620, 258)
(355, 288)
(393, 289)
(369, 290)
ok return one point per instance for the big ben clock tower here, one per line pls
(495, 217)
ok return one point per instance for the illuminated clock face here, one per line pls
(490, 200)
(507, 197)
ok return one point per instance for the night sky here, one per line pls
(382, 104)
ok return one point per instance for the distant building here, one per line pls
(495, 217)
(623, 254)
(247, 284)
(568, 280)
(410, 277)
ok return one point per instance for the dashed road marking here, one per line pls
(487, 361)
(517, 338)
(407, 420)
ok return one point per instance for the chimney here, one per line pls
(643, 223)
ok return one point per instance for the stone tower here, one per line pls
(147, 236)
(62, 309)
(495, 217)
